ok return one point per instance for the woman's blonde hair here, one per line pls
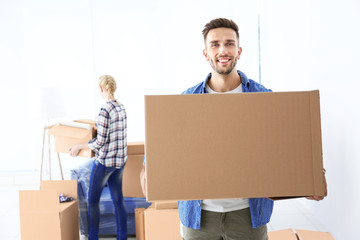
(108, 83)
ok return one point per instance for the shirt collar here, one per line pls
(244, 81)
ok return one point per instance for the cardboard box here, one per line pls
(67, 136)
(140, 223)
(313, 235)
(158, 224)
(134, 164)
(288, 234)
(43, 217)
(135, 148)
(162, 224)
(213, 146)
(166, 205)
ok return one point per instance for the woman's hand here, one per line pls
(74, 150)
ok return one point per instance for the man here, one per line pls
(229, 219)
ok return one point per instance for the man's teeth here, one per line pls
(223, 60)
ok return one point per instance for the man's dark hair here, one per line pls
(220, 23)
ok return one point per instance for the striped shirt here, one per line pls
(110, 144)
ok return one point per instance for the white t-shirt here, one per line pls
(225, 205)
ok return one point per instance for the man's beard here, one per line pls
(223, 72)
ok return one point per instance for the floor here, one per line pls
(287, 213)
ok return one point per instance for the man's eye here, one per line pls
(230, 44)
(214, 45)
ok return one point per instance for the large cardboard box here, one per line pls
(134, 164)
(67, 136)
(158, 222)
(288, 234)
(43, 217)
(209, 146)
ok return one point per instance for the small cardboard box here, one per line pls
(134, 164)
(43, 217)
(157, 224)
(67, 136)
(288, 234)
(214, 146)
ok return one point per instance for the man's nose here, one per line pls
(222, 49)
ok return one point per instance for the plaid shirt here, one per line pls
(110, 144)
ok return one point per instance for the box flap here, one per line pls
(286, 234)
(139, 223)
(258, 144)
(135, 148)
(166, 205)
(71, 132)
(88, 121)
(66, 187)
(131, 180)
(35, 201)
(311, 235)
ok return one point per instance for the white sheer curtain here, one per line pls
(150, 47)
(315, 45)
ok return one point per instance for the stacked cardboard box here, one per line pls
(288, 234)
(43, 217)
(158, 222)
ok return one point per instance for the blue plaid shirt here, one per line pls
(110, 144)
(260, 208)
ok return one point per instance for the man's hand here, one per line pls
(318, 198)
(143, 180)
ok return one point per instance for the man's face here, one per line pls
(222, 50)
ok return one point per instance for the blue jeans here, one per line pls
(100, 175)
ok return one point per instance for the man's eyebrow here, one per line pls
(216, 41)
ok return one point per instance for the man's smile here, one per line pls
(223, 60)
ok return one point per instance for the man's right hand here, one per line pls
(143, 180)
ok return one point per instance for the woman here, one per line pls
(110, 147)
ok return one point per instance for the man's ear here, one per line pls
(205, 55)
(239, 52)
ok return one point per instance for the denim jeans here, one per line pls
(100, 175)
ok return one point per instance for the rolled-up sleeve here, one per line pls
(103, 129)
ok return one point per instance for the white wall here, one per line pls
(315, 45)
(59, 49)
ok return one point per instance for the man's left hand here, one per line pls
(318, 198)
